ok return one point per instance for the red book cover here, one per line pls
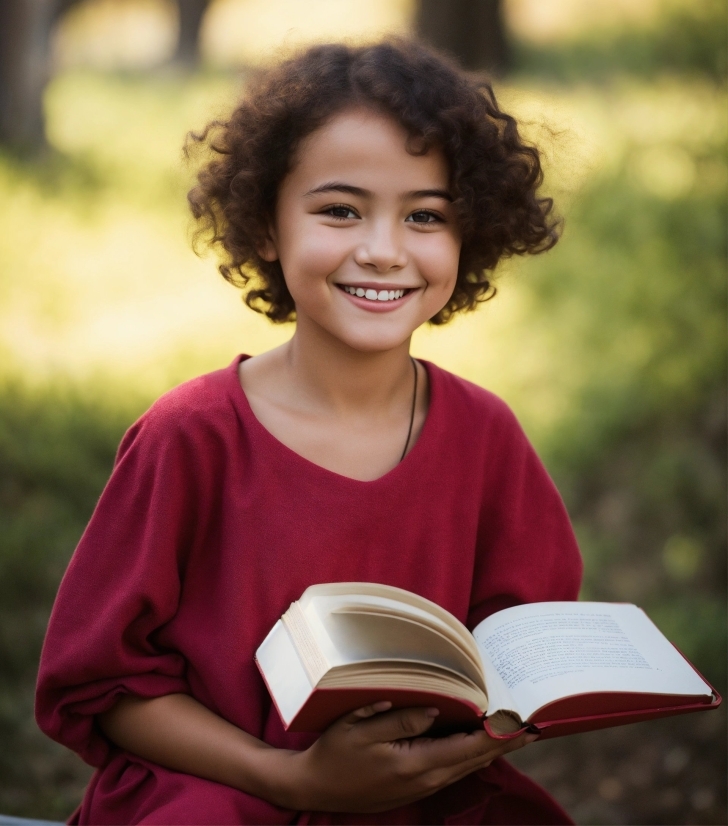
(570, 715)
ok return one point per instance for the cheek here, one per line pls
(313, 257)
(439, 264)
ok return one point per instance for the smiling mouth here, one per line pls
(375, 295)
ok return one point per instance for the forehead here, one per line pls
(368, 149)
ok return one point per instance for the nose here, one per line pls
(382, 248)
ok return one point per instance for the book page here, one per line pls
(546, 651)
(359, 621)
(348, 634)
(396, 600)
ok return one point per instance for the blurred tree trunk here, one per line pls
(191, 14)
(471, 30)
(25, 31)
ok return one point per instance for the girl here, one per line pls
(363, 192)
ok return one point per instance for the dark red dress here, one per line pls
(207, 530)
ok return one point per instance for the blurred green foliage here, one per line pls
(687, 39)
(56, 449)
(625, 321)
(640, 454)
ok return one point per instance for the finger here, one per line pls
(398, 725)
(474, 765)
(451, 750)
(435, 779)
(446, 775)
(443, 763)
(485, 753)
(462, 748)
(367, 711)
(518, 742)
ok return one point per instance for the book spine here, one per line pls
(509, 735)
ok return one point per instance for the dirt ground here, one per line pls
(668, 772)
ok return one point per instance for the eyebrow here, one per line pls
(349, 189)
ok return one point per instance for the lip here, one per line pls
(377, 306)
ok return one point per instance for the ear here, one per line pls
(268, 250)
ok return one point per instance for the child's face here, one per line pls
(359, 214)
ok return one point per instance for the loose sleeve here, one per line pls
(526, 550)
(122, 585)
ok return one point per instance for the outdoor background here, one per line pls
(611, 348)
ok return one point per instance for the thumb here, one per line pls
(398, 725)
(519, 742)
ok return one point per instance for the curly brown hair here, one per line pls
(494, 174)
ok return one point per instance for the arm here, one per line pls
(526, 550)
(372, 760)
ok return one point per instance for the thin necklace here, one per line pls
(412, 412)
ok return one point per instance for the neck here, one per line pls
(330, 374)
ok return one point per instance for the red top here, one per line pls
(208, 529)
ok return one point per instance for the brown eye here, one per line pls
(343, 213)
(423, 216)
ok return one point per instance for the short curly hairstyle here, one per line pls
(494, 174)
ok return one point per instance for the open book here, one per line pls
(557, 667)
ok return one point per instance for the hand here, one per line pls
(374, 759)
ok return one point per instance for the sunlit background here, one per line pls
(611, 348)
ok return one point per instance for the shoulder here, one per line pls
(204, 399)
(199, 410)
(472, 406)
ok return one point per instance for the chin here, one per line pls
(370, 343)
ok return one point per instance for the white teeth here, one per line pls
(374, 295)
